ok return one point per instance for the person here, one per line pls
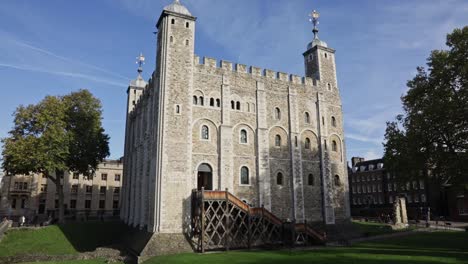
(22, 220)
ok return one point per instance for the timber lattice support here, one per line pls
(221, 221)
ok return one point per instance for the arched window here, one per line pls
(187, 24)
(177, 109)
(211, 101)
(329, 87)
(244, 177)
(277, 113)
(233, 106)
(310, 179)
(307, 118)
(238, 105)
(334, 146)
(173, 21)
(218, 103)
(187, 42)
(205, 133)
(171, 39)
(307, 143)
(201, 100)
(337, 180)
(195, 100)
(333, 121)
(243, 136)
(279, 178)
(248, 107)
(253, 108)
(278, 141)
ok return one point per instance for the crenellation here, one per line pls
(269, 74)
(241, 68)
(226, 65)
(210, 62)
(295, 79)
(196, 60)
(282, 76)
(255, 71)
(307, 81)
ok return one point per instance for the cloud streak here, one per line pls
(63, 73)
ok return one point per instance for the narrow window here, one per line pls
(187, 25)
(171, 39)
(195, 100)
(310, 179)
(334, 145)
(177, 109)
(248, 107)
(277, 113)
(337, 180)
(205, 133)
(326, 56)
(325, 144)
(278, 141)
(211, 101)
(253, 108)
(218, 103)
(323, 120)
(233, 105)
(295, 141)
(238, 105)
(279, 178)
(306, 118)
(243, 136)
(173, 21)
(244, 176)
(329, 87)
(307, 143)
(333, 119)
(201, 100)
(187, 42)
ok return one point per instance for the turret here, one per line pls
(137, 86)
(319, 59)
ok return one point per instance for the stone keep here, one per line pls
(271, 138)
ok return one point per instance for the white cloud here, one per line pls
(63, 73)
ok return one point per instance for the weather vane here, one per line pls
(314, 18)
(140, 61)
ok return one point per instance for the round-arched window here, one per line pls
(243, 136)
(334, 146)
(244, 177)
(279, 178)
(307, 118)
(277, 113)
(205, 132)
(278, 141)
(307, 143)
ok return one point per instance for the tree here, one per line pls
(432, 134)
(60, 133)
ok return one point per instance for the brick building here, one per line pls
(36, 197)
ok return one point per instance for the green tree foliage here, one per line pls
(433, 132)
(60, 133)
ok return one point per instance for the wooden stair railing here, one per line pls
(224, 221)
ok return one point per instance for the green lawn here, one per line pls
(95, 261)
(374, 229)
(418, 248)
(60, 240)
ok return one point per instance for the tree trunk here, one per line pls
(61, 209)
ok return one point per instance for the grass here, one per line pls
(374, 229)
(431, 248)
(93, 261)
(64, 239)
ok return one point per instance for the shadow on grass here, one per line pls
(88, 236)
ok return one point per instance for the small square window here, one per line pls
(102, 190)
(117, 177)
(104, 176)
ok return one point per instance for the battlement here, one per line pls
(255, 71)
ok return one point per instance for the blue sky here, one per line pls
(52, 47)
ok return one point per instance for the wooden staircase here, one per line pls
(222, 221)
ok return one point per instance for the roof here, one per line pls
(177, 7)
(364, 165)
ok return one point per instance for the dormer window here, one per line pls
(371, 167)
(362, 168)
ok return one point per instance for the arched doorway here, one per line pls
(205, 177)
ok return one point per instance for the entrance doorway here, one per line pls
(205, 177)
